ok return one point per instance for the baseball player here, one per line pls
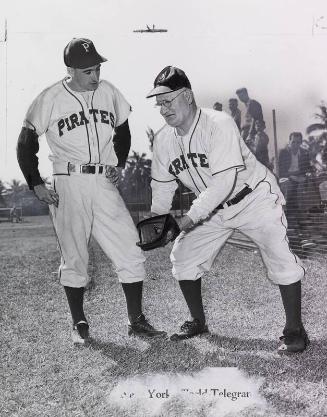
(204, 150)
(85, 121)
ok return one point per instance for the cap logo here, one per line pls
(86, 46)
(161, 77)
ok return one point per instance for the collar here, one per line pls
(191, 129)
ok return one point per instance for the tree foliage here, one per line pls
(136, 178)
(322, 117)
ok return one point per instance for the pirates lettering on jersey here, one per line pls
(75, 120)
(196, 159)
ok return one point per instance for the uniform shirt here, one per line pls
(79, 125)
(212, 146)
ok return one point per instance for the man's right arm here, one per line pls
(162, 196)
(27, 148)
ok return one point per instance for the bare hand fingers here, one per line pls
(54, 198)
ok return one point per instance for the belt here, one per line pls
(239, 196)
(87, 168)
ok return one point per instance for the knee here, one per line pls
(178, 253)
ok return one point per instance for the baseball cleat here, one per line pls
(190, 329)
(293, 341)
(80, 333)
(141, 327)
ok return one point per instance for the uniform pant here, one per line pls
(259, 216)
(89, 205)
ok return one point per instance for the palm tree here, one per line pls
(322, 117)
(136, 178)
(317, 142)
(15, 189)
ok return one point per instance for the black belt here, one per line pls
(90, 169)
(239, 196)
(86, 169)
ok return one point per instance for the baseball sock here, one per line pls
(133, 295)
(75, 300)
(291, 297)
(192, 294)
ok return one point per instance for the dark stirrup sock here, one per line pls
(75, 300)
(192, 294)
(133, 294)
(291, 297)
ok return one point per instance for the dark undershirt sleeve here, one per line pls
(27, 148)
(122, 143)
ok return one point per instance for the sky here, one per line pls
(275, 48)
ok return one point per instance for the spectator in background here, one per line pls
(218, 106)
(235, 111)
(294, 164)
(260, 143)
(150, 135)
(253, 112)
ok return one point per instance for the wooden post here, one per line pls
(275, 143)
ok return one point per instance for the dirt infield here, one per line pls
(42, 374)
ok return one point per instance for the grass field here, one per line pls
(42, 374)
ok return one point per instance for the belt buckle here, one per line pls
(87, 169)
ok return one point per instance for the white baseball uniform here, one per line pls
(204, 160)
(79, 129)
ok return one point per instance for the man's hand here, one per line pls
(47, 195)
(113, 174)
(185, 223)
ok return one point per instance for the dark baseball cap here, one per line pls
(81, 53)
(168, 80)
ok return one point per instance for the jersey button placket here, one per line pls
(93, 140)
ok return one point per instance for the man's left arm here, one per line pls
(122, 143)
(220, 189)
(225, 159)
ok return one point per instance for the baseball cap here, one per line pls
(169, 79)
(81, 53)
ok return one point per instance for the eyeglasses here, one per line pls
(168, 103)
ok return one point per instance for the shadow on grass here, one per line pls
(162, 355)
(234, 344)
(257, 357)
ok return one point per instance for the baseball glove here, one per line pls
(157, 231)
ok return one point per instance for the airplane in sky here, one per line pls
(150, 30)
